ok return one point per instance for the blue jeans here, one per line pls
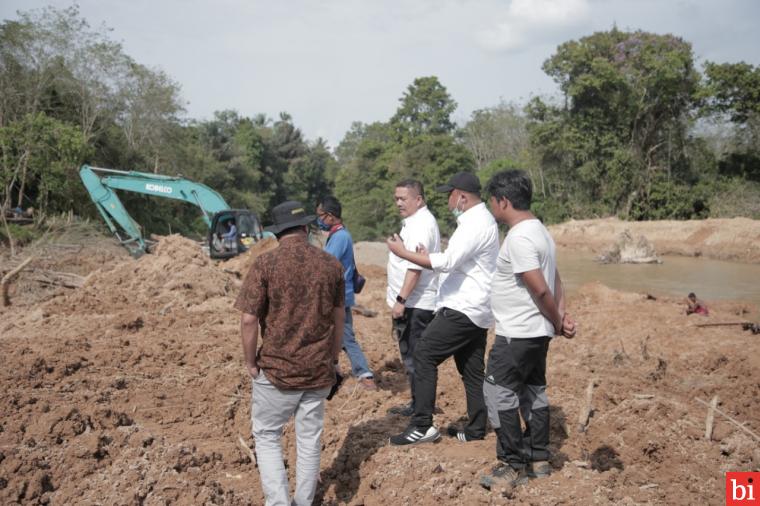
(359, 366)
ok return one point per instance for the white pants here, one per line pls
(271, 409)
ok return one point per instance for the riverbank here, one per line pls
(734, 239)
(131, 389)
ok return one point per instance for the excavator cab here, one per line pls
(232, 232)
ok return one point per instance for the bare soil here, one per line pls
(735, 239)
(131, 390)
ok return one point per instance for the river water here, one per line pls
(676, 276)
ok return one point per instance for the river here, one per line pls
(676, 276)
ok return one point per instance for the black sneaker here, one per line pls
(504, 478)
(407, 410)
(414, 435)
(454, 432)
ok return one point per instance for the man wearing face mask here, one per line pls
(340, 245)
(463, 312)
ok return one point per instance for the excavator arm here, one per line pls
(101, 183)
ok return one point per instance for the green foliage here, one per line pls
(426, 109)
(621, 140)
(624, 124)
(40, 157)
(732, 88)
(22, 235)
(496, 133)
(732, 197)
(417, 142)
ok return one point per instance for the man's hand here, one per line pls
(398, 310)
(395, 244)
(568, 326)
(421, 249)
(253, 370)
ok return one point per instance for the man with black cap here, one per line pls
(301, 337)
(463, 312)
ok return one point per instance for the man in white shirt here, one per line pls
(528, 305)
(411, 289)
(463, 312)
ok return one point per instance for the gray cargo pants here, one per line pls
(271, 408)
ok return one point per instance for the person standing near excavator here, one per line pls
(341, 246)
(296, 365)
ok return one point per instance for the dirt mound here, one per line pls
(131, 389)
(176, 274)
(241, 264)
(724, 239)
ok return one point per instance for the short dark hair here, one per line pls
(412, 184)
(513, 185)
(331, 205)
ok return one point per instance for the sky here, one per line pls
(329, 63)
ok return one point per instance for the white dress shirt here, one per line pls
(419, 228)
(468, 265)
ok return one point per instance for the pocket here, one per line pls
(261, 378)
(399, 327)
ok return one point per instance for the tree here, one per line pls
(426, 109)
(311, 176)
(732, 91)
(623, 127)
(40, 157)
(417, 142)
(496, 133)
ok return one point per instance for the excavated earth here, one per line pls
(131, 390)
(735, 239)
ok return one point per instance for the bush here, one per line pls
(736, 197)
(22, 235)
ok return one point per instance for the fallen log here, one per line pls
(729, 418)
(72, 281)
(5, 283)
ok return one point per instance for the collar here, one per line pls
(471, 213)
(292, 239)
(414, 216)
(335, 228)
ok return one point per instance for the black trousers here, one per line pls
(408, 330)
(451, 333)
(516, 380)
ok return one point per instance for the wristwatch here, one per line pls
(400, 299)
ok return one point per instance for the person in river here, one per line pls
(695, 306)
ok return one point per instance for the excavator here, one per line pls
(230, 231)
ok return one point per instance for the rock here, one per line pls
(628, 250)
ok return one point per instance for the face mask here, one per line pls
(456, 211)
(322, 225)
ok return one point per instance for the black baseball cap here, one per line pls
(465, 181)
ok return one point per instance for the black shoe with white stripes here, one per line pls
(414, 435)
(461, 435)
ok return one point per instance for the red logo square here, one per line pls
(742, 489)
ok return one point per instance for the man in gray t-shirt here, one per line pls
(528, 306)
